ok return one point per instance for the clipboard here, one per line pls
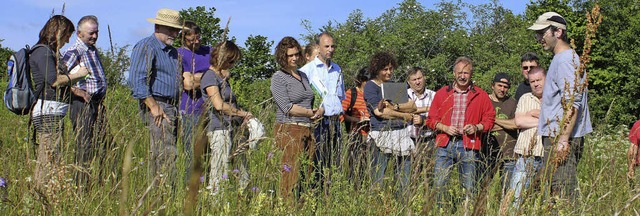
(394, 91)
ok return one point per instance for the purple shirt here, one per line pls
(191, 101)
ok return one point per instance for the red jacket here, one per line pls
(479, 111)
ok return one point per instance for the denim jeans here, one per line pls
(402, 170)
(523, 172)
(466, 159)
(189, 123)
(328, 147)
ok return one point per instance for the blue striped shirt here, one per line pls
(96, 83)
(154, 70)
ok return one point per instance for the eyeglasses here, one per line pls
(541, 33)
(528, 67)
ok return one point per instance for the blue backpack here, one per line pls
(19, 96)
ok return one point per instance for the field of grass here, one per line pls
(604, 189)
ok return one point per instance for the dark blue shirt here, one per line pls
(154, 70)
(373, 96)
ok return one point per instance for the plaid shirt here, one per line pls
(96, 83)
(459, 107)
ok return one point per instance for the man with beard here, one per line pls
(564, 113)
(153, 79)
(460, 114)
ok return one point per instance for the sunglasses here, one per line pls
(528, 67)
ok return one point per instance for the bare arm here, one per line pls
(63, 79)
(524, 120)
(505, 124)
(187, 81)
(214, 94)
(631, 159)
(388, 113)
(408, 107)
(421, 110)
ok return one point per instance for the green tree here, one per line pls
(115, 64)
(209, 24)
(5, 53)
(257, 62)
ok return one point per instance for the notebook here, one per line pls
(396, 92)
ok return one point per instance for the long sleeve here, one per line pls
(141, 62)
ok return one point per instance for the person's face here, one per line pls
(462, 73)
(292, 57)
(192, 41)
(537, 83)
(500, 89)
(547, 38)
(385, 74)
(314, 53)
(64, 39)
(88, 33)
(416, 82)
(326, 47)
(167, 34)
(527, 66)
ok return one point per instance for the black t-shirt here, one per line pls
(523, 88)
(45, 68)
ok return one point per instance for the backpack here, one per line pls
(354, 95)
(19, 96)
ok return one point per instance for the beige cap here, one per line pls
(549, 19)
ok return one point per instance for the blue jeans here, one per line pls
(506, 172)
(466, 160)
(524, 171)
(402, 170)
(189, 123)
(328, 146)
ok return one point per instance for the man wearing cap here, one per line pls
(564, 113)
(459, 114)
(498, 152)
(633, 158)
(528, 61)
(153, 79)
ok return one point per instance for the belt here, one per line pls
(303, 124)
(166, 100)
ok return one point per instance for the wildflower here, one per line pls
(201, 179)
(3, 183)
(236, 171)
(287, 168)
(224, 176)
(270, 155)
(255, 189)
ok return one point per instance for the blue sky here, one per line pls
(274, 19)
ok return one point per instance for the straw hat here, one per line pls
(167, 17)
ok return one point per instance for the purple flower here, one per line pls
(255, 189)
(224, 176)
(287, 168)
(3, 183)
(201, 179)
(270, 155)
(236, 171)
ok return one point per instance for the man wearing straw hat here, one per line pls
(153, 79)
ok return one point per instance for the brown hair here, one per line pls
(379, 61)
(54, 30)
(190, 28)
(224, 55)
(463, 59)
(281, 50)
(414, 70)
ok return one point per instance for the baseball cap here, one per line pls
(549, 19)
(503, 78)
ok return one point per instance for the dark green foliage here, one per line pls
(115, 64)
(5, 52)
(209, 24)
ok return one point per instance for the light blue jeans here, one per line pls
(466, 159)
(402, 170)
(524, 171)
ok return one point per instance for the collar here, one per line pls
(156, 42)
(318, 63)
(425, 94)
(81, 46)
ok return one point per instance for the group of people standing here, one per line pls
(540, 131)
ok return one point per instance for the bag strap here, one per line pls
(354, 95)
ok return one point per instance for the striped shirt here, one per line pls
(79, 52)
(358, 110)
(288, 91)
(527, 103)
(459, 108)
(154, 70)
